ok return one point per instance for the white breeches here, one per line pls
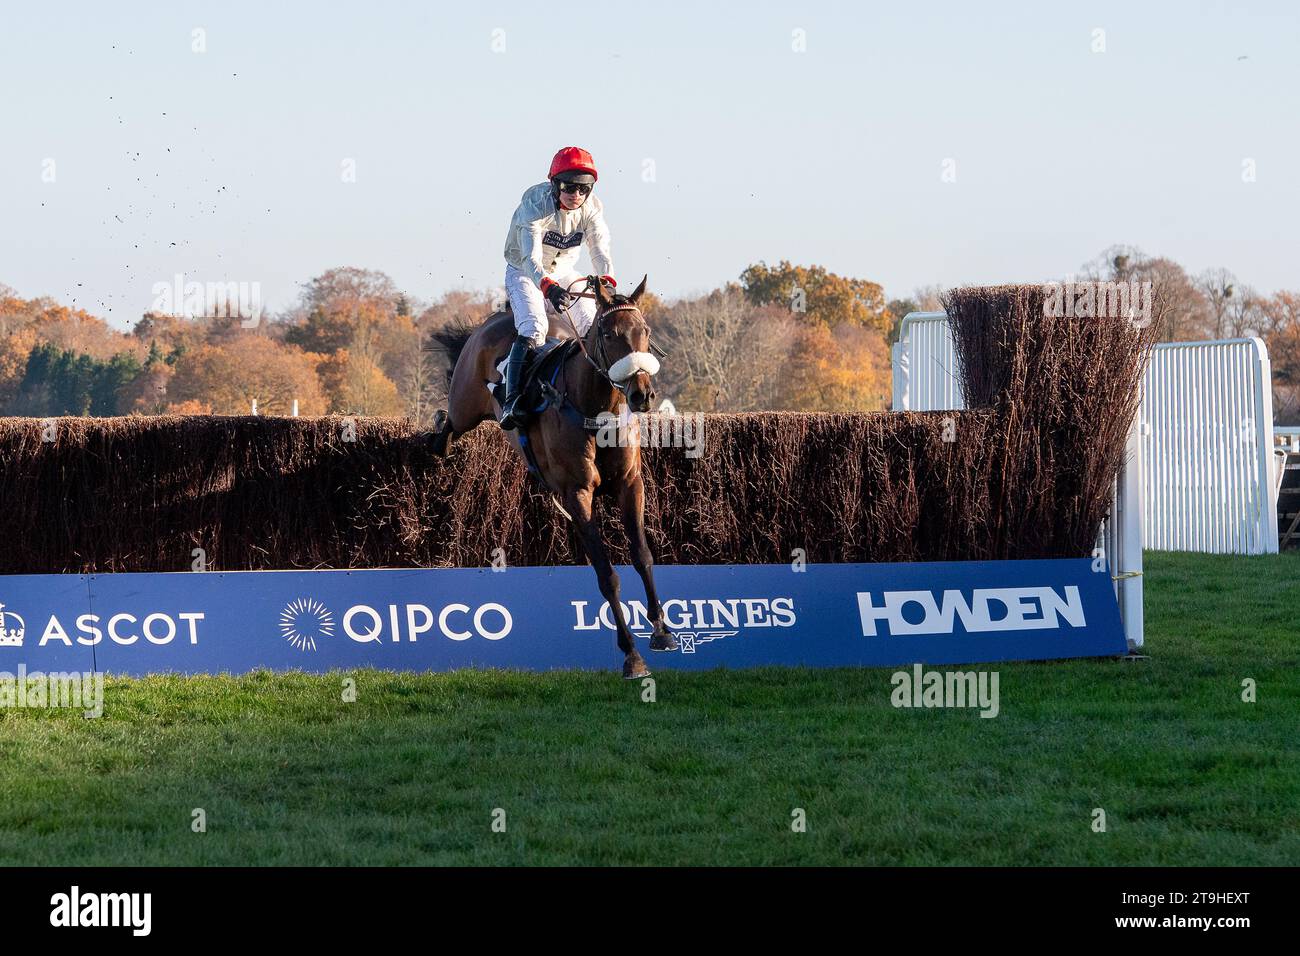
(531, 310)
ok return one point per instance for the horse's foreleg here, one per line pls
(631, 505)
(441, 433)
(468, 403)
(578, 503)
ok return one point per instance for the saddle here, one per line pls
(541, 371)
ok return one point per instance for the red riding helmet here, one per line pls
(573, 164)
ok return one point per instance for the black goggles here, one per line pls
(581, 189)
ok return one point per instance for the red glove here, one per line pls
(610, 280)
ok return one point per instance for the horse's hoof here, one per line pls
(635, 669)
(663, 640)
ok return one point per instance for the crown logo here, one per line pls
(11, 636)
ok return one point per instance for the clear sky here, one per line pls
(228, 164)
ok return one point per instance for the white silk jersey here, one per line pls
(545, 240)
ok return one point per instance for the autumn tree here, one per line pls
(1281, 321)
(845, 370)
(332, 305)
(344, 288)
(820, 295)
(354, 385)
(725, 353)
(172, 334)
(15, 349)
(24, 324)
(75, 330)
(322, 332)
(228, 377)
(147, 392)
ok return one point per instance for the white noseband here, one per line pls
(632, 363)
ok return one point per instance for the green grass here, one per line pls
(287, 773)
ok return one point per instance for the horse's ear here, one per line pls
(601, 296)
(638, 291)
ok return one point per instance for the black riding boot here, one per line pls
(520, 352)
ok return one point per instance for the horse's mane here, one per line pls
(452, 337)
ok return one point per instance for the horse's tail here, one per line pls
(451, 339)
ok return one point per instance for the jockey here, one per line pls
(553, 219)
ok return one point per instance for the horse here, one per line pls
(613, 366)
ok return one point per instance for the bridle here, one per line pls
(600, 362)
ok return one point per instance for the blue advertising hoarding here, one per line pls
(822, 615)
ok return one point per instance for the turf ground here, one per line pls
(286, 772)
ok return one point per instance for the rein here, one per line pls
(591, 295)
(601, 364)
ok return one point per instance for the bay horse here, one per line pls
(612, 366)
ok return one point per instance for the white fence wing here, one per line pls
(1209, 473)
(927, 358)
(926, 379)
(1207, 441)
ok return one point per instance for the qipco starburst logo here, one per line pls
(304, 622)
